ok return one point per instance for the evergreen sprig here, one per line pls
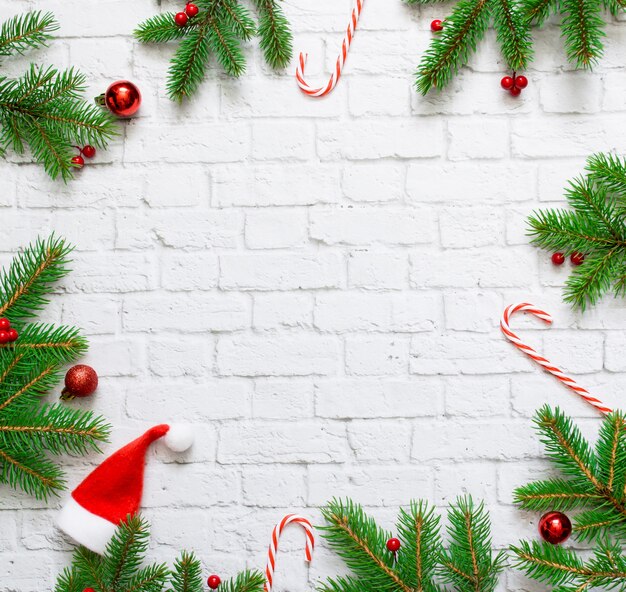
(594, 226)
(594, 484)
(30, 368)
(43, 108)
(122, 568)
(422, 564)
(463, 30)
(219, 29)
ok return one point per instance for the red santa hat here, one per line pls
(113, 490)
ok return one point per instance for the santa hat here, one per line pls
(113, 490)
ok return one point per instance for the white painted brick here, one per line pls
(289, 398)
(571, 93)
(378, 270)
(275, 228)
(376, 355)
(376, 441)
(379, 182)
(273, 311)
(286, 141)
(181, 271)
(478, 138)
(474, 226)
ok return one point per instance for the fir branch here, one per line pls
(247, 581)
(32, 473)
(187, 574)
(160, 28)
(513, 34)
(27, 31)
(276, 37)
(582, 30)
(555, 494)
(187, 67)
(538, 11)
(225, 45)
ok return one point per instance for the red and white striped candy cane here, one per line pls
(533, 355)
(341, 60)
(278, 530)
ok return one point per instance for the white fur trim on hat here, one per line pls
(179, 437)
(86, 528)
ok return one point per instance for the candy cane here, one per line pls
(533, 355)
(278, 530)
(341, 60)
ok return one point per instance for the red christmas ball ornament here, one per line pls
(89, 590)
(214, 582)
(5, 324)
(393, 545)
(507, 83)
(555, 527)
(122, 98)
(180, 18)
(88, 151)
(78, 161)
(80, 381)
(13, 335)
(577, 258)
(558, 258)
(521, 81)
(4, 337)
(191, 10)
(436, 26)
(516, 91)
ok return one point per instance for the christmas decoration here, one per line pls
(436, 26)
(181, 18)
(80, 381)
(467, 562)
(555, 527)
(533, 355)
(394, 545)
(88, 151)
(29, 368)
(341, 60)
(7, 333)
(191, 10)
(463, 30)
(592, 485)
(595, 227)
(577, 258)
(558, 258)
(43, 108)
(514, 84)
(78, 161)
(220, 27)
(214, 582)
(278, 530)
(123, 568)
(582, 25)
(113, 491)
(122, 98)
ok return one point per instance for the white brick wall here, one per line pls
(316, 284)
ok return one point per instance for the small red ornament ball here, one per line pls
(577, 258)
(521, 82)
(516, 91)
(88, 151)
(122, 98)
(393, 545)
(181, 19)
(555, 527)
(4, 337)
(214, 582)
(80, 381)
(89, 590)
(78, 161)
(191, 10)
(558, 258)
(5, 324)
(12, 335)
(507, 83)
(436, 26)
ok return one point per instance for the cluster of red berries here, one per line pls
(181, 18)
(576, 258)
(214, 582)
(436, 26)
(87, 151)
(514, 84)
(7, 334)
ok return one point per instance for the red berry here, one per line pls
(78, 162)
(191, 10)
(89, 151)
(214, 581)
(393, 545)
(516, 91)
(521, 82)
(436, 26)
(12, 335)
(5, 325)
(89, 590)
(181, 19)
(507, 83)
(577, 258)
(558, 258)
(4, 337)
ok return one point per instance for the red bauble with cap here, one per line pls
(122, 98)
(555, 527)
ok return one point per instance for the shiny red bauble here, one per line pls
(4, 337)
(558, 258)
(507, 83)
(214, 582)
(5, 324)
(180, 18)
(521, 81)
(516, 91)
(393, 545)
(89, 590)
(88, 151)
(122, 98)
(12, 335)
(436, 26)
(577, 258)
(80, 381)
(555, 527)
(78, 161)
(191, 10)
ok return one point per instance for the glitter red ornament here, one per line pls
(393, 545)
(577, 258)
(555, 527)
(214, 582)
(180, 18)
(436, 26)
(122, 98)
(558, 258)
(191, 10)
(80, 381)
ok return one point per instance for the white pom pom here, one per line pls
(179, 437)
